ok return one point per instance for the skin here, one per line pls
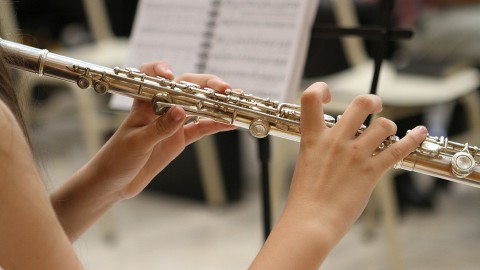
(324, 200)
(143, 145)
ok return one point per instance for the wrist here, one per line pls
(80, 202)
(320, 219)
(298, 241)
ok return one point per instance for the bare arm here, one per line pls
(31, 236)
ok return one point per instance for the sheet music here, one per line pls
(169, 31)
(256, 45)
(166, 30)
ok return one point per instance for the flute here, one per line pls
(436, 156)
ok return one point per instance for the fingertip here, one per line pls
(238, 91)
(379, 107)
(312, 116)
(164, 70)
(218, 84)
(176, 114)
(421, 133)
(421, 129)
(327, 96)
(317, 92)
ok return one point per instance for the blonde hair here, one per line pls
(8, 94)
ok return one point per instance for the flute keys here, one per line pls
(429, 148)
(463, 164)
(161, 103)
(84, 82)
(187, 86)
(100, 87)
(259, 128)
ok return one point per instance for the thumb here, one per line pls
(164, 126)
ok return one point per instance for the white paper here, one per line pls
(256, 45)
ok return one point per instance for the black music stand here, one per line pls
(382, 34)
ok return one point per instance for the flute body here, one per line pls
(436, 156)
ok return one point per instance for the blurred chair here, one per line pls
(106, 50)
(402, 96)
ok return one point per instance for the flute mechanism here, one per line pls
(436, 156)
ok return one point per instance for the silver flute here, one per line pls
(436, 156)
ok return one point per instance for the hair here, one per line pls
(8, 94)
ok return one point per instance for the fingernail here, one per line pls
(421, 129)
(166, 68)
(176, 114)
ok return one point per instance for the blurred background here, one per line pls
(175, 223)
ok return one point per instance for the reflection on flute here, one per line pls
(436, 156)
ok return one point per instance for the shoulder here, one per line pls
(7, 119)
(10, 131)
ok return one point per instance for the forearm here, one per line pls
(81, 201)
(301, 240)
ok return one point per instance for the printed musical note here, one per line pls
(256, 45)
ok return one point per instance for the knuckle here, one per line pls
(162, 126)
(182, 76)
(316, 87)
(308, 94)
(412, 142)
(389, 126)
(186, 76)
(396, 153)
(307, 140)
(320, 85)
(315, 91)
(356, 147)
(367, 102)
(356, 153)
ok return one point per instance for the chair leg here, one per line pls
(384, 199)
(210, 170)
(93, 136)
(472, 107)
(283, 154)
(91, 124)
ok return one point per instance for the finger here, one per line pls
(312, 120)
(158, 68)
(375, 134)
(205, 80)
(193, 132)
(141, 113)
(356, 113)
(164, 126)
(238, 91)
(399, 150)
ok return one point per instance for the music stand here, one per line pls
(382, 34)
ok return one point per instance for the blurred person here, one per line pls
(445, 31)
(325, 199)
(446, 37)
